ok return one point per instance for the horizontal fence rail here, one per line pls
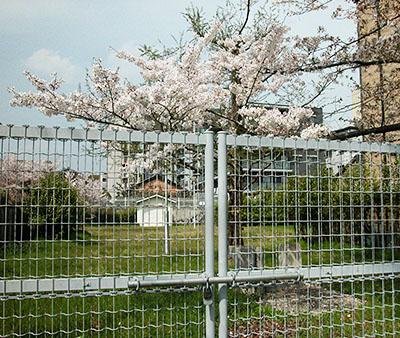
(36, 286)
(77, 134)
(312, 144)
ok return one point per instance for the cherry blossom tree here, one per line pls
(213, 81)
(245, 55)
(19, 176)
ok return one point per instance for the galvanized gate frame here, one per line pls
(224, 277)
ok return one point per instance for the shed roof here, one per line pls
(155, 196)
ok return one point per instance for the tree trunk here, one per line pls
(235, 222)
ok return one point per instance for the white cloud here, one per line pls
(46, 61)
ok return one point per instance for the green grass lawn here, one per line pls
(116, 250)
(107, 250)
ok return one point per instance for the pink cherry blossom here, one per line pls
(18, 176)
(200, 88)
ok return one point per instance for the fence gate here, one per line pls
(111, 233)
(86, 213)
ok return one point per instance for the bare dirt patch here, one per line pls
(267, 329)
(307, 298)
(291, 300)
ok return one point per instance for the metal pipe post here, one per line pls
(222, 235)
(209, 227)
(166, 220)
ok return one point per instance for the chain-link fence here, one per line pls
(130, 233)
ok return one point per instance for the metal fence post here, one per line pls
(209, 227)
(222, 234)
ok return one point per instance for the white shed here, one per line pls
(154, 211)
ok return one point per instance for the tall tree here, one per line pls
(233, 61)
(243, 56)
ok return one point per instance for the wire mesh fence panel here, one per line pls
(84, 211)
(110, 233)
(327, 210)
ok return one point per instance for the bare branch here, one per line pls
(247, 17)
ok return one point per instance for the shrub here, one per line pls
(55, 206)
(358, 204)
(51, 202)
(111, 215)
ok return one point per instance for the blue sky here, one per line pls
(63, 36)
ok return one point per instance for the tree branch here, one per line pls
(247, 17)
(363, 132)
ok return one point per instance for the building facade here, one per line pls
(378, 44)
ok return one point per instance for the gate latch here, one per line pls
(208, 294)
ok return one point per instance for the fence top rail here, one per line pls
(311, 144)
(93, 134)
